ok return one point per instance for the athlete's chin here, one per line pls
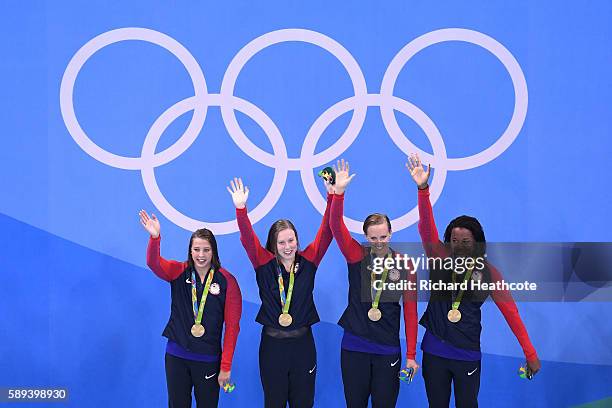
(205, 264)
(288, 256)
(380, 250)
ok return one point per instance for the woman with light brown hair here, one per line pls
(285, 277)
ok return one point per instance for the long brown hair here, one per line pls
(206, 234)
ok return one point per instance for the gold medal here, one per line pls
(454, 315)
(285, 319)
(374, 314)
(197, 330)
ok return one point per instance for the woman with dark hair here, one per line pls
(371, 356)
(205, 296)
(285, 277)
(451, 344)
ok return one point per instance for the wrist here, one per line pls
(423, 186)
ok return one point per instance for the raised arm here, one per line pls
(505, 303)
(317, 248)
(232, 314)
(427, 225)
(350, 248)
(167, 270)
(257, 254)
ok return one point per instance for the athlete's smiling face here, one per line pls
(462, 242)
(286, 245)
(378, 235)
(201, 253)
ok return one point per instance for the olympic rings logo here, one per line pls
(282, 164)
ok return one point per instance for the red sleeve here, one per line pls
(410, 315)
(427, 227)
(315, 251)
(350, 248)
(257, 254)
(232, 313)
(504, 301)
(167, 270)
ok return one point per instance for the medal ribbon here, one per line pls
(286, 300)
(457, 301)
(199, 310)
(383, 279)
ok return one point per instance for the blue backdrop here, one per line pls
(113, 107)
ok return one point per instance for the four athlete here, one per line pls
(206, 297)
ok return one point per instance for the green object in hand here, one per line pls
(329, 175)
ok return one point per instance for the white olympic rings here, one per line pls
(308, 160)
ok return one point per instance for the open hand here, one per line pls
(239, 193)
(417, 170)
(342, 176)
(151, 224)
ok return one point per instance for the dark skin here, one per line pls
(462, 239)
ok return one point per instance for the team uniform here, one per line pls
(451, 351)
(370, 351)
(287, 355)
(194, 362)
